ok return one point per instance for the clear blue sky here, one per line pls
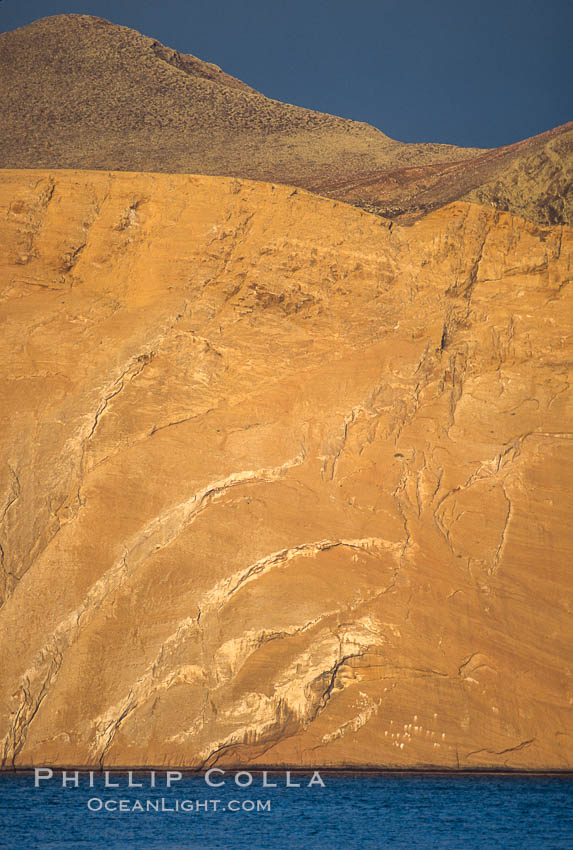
(462, 71)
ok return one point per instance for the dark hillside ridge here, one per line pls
(81, 92)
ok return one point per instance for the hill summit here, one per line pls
(81, 92)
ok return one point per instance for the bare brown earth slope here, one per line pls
(80, 92)
(282, 483)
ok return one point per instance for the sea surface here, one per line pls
(351, 811)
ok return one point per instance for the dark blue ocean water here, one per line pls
(352, 811)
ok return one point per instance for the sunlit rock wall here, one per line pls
(281, 483)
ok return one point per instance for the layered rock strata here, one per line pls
(282, 483)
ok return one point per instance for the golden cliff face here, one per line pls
(281, 483)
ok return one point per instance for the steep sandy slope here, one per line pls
(281, 483)
(80, 92)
